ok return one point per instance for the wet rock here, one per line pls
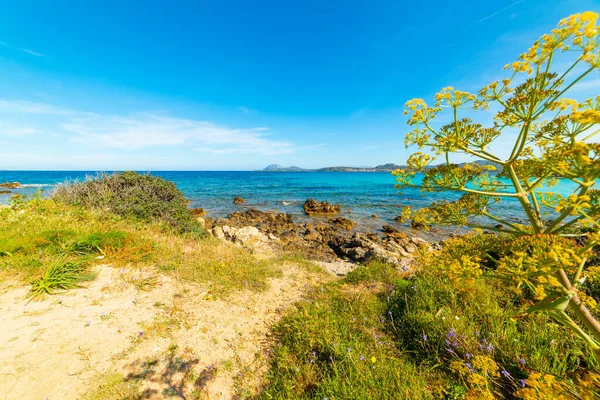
(238, 200)
(418, 225)
(314, 207)
(9, 185)
(373, 237)
(374, 216)
(15, 196)
(392, 232)
(343, 223)
(198, 212)
(5, 191)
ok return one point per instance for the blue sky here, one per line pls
(233, 85)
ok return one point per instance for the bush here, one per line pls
(132, 195)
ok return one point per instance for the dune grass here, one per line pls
(55, 246)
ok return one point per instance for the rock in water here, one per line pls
(314, 207)
(14, 185)
(343, 223)
(198, 212)
(238, 200)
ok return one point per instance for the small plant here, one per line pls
(554, 141)
(61, 275)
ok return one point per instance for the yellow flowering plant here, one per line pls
(554, 141)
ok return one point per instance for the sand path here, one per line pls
(168, 338)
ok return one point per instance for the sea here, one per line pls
(360, 194)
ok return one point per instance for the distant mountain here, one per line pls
(380, 168)
(279, 168)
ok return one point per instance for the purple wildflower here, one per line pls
(348, 349)
(425, 337)
(470, 367)
(490, 348)
(468, 355)
(505, 373)
(362, 358)
(451, 334)
(522, 361)
(523, 384)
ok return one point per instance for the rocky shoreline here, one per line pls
(321, 240)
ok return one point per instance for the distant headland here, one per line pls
(389, 167)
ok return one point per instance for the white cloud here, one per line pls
(33, 53)
(28, 51)
(153, 130)
(500, 11)
(246, 110)
(30, 107)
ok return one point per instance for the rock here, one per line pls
(14, 185)
(399, 219)
(201, 221)
(374, 216)
(321, 227)
(238, 200)
(249, 235)
(418, 225)
(273, 238)
(343, 223)
(311, 235)
(218, 233)
(228, 231)
(499, 226)
(359, 248)
(198, 212)
(314, 207)
(15, 196)
(208, 223)
(390, 231)
(373, 237)
(5, 191)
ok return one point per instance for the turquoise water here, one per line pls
(359, 194)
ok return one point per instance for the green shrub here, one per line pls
(132, 195)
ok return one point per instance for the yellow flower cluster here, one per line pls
(478, 376)
(454, 98)
(541, 387)
(586, 117)
(419, 111)
(580, 29)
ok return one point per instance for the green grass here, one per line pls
(55, 245)
(415, 329)
(113, 386)
(60, 275)
(337, 346)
